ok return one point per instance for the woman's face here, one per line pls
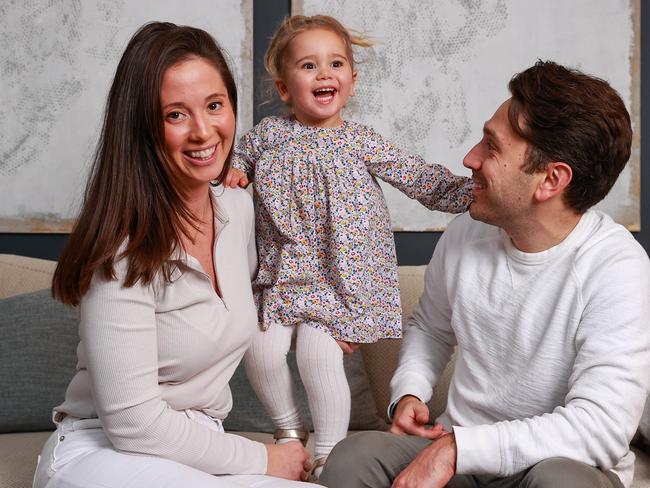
(199, 120)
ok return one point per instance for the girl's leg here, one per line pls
(269, 374)
(320, 362)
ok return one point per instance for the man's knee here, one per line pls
(349, 458)
(360, 461)
(562, 472)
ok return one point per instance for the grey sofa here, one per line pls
(31, 356)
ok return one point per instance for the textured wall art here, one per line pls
(56, 65)
(440, 69)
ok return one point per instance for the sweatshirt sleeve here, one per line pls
(433, 185)
(118, 333)
(428, 339)
(607, 387)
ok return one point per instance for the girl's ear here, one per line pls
(354, 82)
(282, 90)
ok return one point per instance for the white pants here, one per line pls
(79, 455)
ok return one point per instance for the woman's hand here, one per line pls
(347, 347)
(289, 461)
(236, 178)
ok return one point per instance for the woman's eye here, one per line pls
(174, 115)
(308, 66)
(215, 105)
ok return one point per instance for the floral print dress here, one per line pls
(325, 246)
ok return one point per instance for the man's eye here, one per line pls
(215, 105)
(308, 66)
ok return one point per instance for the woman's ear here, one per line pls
(282, 91)
(554, 180)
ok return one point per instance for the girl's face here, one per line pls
(317, 78)
(199, 120)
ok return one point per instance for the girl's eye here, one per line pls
(215, 105)
(337, 64)
(308, 66)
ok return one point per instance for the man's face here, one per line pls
(503, 192)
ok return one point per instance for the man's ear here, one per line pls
(554, 179)
(282, 90)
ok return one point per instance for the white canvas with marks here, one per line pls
(56, 65)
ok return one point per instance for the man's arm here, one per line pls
(428, 339)
(433, 467)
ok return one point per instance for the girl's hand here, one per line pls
(236, 178)
(289, 461)
(347, 347)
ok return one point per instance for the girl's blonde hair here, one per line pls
(296, 24)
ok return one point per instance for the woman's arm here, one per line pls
(119, 336)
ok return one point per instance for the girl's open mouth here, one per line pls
(324, 95)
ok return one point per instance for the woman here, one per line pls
(160, 262)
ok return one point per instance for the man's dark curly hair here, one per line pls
(568, 116)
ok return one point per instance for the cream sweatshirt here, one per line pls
(553, 347)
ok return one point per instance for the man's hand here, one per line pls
(289, 461)
(347, 347)
(433, 467)
(411, 417)
(236, 178)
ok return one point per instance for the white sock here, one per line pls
(320, 362)
(269, 374)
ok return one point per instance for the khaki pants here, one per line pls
(374, 459)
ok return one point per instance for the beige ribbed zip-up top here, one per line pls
(149, 353)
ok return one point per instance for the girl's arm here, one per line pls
(249, 149)
(433, 185)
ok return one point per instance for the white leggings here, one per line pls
(79, 455)
(320, 363)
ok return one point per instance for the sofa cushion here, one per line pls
(21, 274)
(37, 359)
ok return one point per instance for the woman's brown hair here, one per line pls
(133, 203)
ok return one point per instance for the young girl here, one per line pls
(327, 267)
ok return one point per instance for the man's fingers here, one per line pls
(421, 414)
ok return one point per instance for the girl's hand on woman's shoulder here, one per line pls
(235, 178)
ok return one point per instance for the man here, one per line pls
(548, 304)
